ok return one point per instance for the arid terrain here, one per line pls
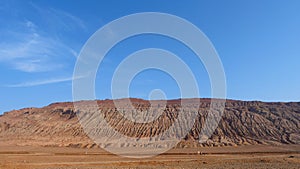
(240, 157)
(250, 134)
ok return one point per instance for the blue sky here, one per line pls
(257, 41)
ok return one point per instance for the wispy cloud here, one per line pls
(32, 47)
(59, 19)
(44, 82)
(33, 52)
(69, 18)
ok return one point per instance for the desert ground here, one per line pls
(258, 156)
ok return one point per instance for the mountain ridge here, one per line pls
(242, 123)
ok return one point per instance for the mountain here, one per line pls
(242, 123)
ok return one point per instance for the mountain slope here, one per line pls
(242, 123)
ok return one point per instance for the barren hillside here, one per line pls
(242, 123)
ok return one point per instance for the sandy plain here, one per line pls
(246, 157)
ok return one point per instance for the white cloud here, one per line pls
(40, 46)
(65, 17)
(30, 25)
(33, 52)
(28, 66)
(44, 82)
(59, 19)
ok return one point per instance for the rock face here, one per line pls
(242, 123)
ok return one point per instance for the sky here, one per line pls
(257, 42)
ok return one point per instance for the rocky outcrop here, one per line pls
(242, 123)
